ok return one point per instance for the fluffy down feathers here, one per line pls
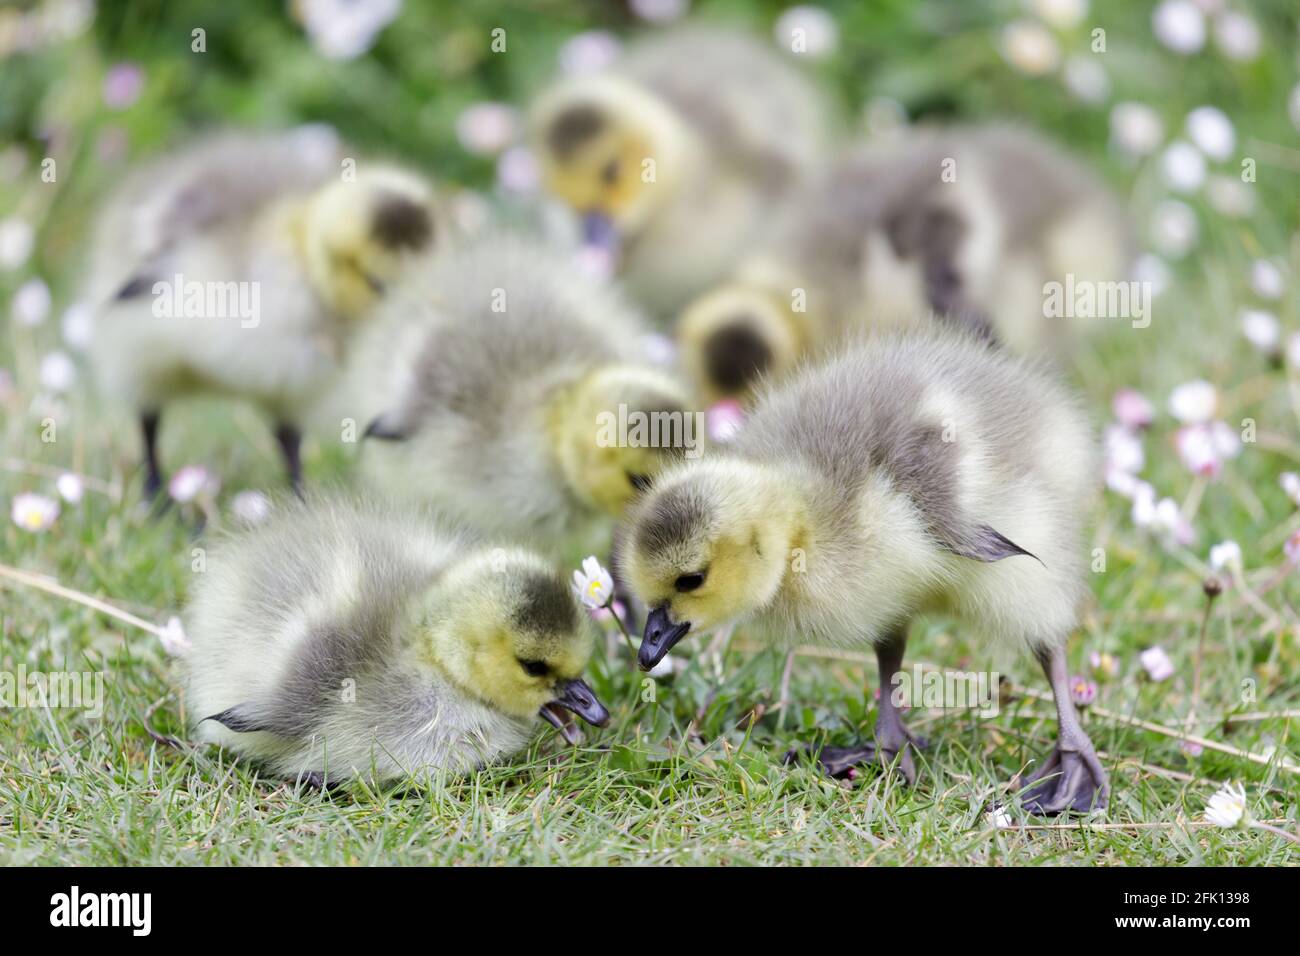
(311, 637)
(472, 374)
(904, 475)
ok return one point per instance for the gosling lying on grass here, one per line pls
(676, 155)
(241, 265)
(963, 224)
(498, 373)
(344, 640)
(905, 476)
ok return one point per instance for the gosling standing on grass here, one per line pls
(905, 476)
(241, 266)
(962, 225)
(676, 155)
(497, 376)
(346, 640)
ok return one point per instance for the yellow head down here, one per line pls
(711, 543)
(505, 628)
(358, 235)
(735, 335)
(619, 427)
(609, 149)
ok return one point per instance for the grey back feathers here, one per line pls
(461, 370)
(215, 182)
(911, 408)
(302, 646)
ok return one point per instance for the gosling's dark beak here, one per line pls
(555, 715)
(581, 699)
(599, 230)
(660, 636)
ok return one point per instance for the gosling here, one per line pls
(965, 225)
(905, 476)
(676, 155)
(272, 257)
(504, 378)
(344, 640)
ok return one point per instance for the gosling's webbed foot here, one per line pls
(837, 762)
(1072, 781)
(895, 749)
(314, 780)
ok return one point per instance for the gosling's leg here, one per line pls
(153, 479)
(290, 441)
(1072, 779)
(893, 740)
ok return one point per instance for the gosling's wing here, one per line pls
(221, 178)
(487, 320)
(932, 413)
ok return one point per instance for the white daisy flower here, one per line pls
(1262, 330)
(189, 482)
(486, 129)
(1061, 14)
(31, 303)
(1227, 808)
(807, 31)
(1136, 128)
(1194, 402)
(69, 487)
(33, 512)
(1030, 47)
(1157, 663)
(593, 584)
(1266, 279)
(1236, 35)
(1183, 167)
(172, 636)
(1226, 555)
(58, 372)
(17, 239)
(1290, 483)
(1212, 132)
(1179, 25)
(589, 52)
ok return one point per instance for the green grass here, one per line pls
(677, 779)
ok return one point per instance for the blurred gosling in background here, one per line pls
(965, 225)
(495, 378)
(678, 153)
(343, 640)
(240, 265)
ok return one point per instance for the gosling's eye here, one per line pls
(534, 668)
(609, 172)
(639, 482)
(689, 582)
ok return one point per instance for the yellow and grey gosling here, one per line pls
(352, 640)
(495, 380)
(678, 154)
(907, 475)
(241, 265)
(966, 224)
